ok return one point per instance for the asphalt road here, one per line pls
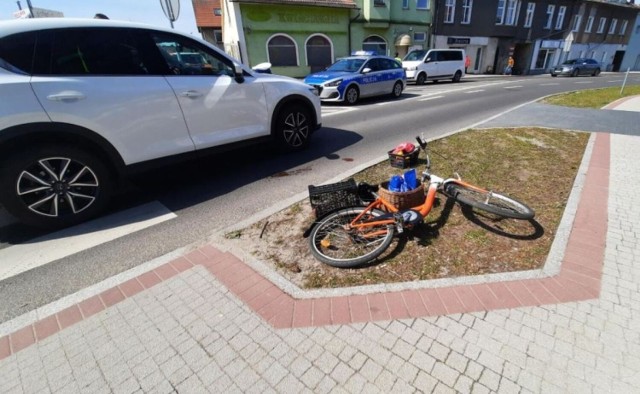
(199, 199)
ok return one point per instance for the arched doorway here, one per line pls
(319, 52)
(375, 44)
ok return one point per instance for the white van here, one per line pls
(434, 65)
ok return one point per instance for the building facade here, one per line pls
(208, 15)
(631, 60)
(538, 34)
(302, 36)
(391, 27)
(296, 36)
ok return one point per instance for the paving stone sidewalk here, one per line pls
(190, 326)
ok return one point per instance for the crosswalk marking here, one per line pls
(54, 246)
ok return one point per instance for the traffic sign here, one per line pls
(171, 9)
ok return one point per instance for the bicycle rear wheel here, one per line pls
(333, 243)
(491, 202)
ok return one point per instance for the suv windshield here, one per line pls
(415, 55)
(349, 65)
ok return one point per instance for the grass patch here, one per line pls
(593, 98)
(537, 166)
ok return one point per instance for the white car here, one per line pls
(434, 65)
(84, 101)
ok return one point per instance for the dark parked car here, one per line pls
(575, 67)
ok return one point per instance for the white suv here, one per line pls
(84, 101)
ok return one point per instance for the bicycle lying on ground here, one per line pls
(354, 236)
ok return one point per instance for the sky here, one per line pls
(145, 11)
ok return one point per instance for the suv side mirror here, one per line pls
(428, 60)
(239, 73)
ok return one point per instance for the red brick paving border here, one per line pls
(579, 279)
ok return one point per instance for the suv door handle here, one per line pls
(191, 94)
(66, 96)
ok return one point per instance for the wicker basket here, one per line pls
(402, 200)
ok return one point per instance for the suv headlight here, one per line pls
(411, 68)
(333, 83)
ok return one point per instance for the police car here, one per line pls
(362, 75)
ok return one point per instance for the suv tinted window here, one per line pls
(450, 55)
(95, 51)
(16, 52)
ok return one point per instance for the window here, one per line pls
(217, 35)
(604, 57)
(544, 58)
(319, 53)
(467, 5)
(592, 54)
(217, 12)
(550, 10)
(419, 36)
(587, 29)
(612, 27)
(577, 19)
(500, 12)
(512, 12)
(97, 51)
(603, 21)
(16, 52)
(560, 20)
(623, 28)
(379, 3)
(375, 44)
(422, 4)
(405, 4)
(531, 7)
(449, 11)
(282, 51)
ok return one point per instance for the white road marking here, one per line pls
(584, 82)
(43, 250)
(334, 111)
(512, 87)
(615, 80)
(430, 98)
(474, 91)
(549, 84)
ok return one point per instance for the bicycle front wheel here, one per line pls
(491, 202)
(335, 243)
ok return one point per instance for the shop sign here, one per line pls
(458, 41)
(307, 18)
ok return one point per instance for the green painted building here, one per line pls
(302, 36)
